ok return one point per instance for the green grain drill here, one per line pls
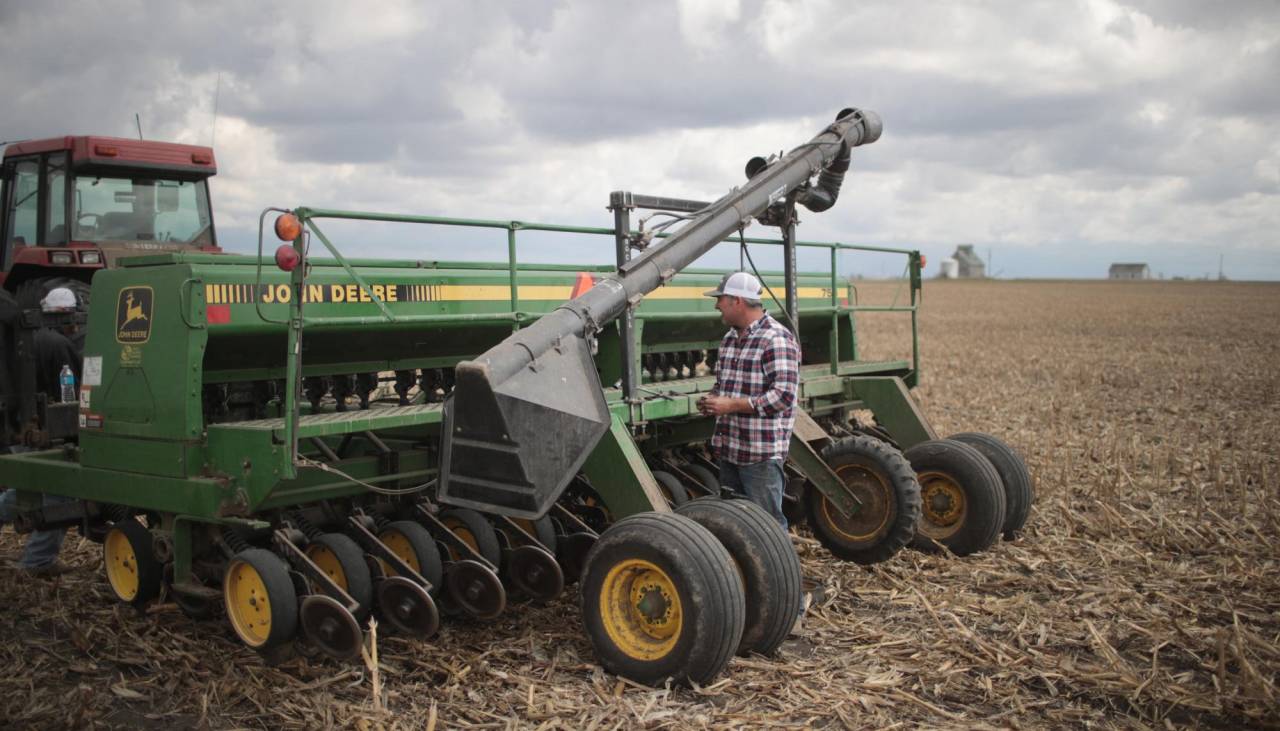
(304, 442)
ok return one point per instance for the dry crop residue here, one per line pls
(1144, 593)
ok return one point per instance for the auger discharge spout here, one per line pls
(525, 415)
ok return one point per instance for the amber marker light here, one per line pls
(288, 227)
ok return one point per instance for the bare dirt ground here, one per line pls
(1144, 592)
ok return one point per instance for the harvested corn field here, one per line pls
(1143, 592)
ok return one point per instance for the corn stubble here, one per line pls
(1143, 593)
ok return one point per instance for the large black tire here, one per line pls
(475, 531)
(688, 621)
(962, 497)
(881, 478)
(676, 493)
(769, 566)
(30, 292)
(414, 544)
(1019, 490)
(133, 572)
(342, 559)
(261, 602)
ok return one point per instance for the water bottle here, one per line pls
(67, 379)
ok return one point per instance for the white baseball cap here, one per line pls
(737, 284)
(58, 299)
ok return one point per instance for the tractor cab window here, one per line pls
(142, 209)
(24, 203)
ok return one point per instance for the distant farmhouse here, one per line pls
(1129, 271)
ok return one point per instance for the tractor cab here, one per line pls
(73, 205)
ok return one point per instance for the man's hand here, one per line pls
(721, 405)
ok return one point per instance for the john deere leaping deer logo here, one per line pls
(133, 315)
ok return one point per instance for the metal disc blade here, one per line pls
(330, 627)
(475, 589)
(407, 607)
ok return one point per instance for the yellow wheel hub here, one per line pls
(944, 505)
(872, 519)
(248, 606)
(400, 546)
(640, 609)
(328, 562)
(122, 565)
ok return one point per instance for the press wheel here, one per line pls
(339, 557)
(534, 573)
(475, 531)
(475, 589)
(330, 627)
(133, 572)
(260, 600)
(407, 607)
(415, 546)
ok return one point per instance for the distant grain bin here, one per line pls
(968, 264)
(950, 269)
(1129, 271)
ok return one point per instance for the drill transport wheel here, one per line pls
(132, 569)
(767, 563)
(330, 627)
(341, 558)
(883, 481)
(962, 498)
(661, 598)
(415, 546)
(407, 607)
(260, 600)
(1019, 492)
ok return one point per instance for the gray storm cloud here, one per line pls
(1054, 132)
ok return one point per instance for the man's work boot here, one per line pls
(48, 571)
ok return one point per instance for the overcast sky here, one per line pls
(1060, 136)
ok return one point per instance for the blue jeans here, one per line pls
(761, 482)
(43, 545)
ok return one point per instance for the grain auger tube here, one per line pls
(525, 415)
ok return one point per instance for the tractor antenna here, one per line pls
(213, 127)
(138, 120)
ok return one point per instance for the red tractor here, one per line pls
(72, 206)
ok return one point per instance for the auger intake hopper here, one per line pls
(516, 444)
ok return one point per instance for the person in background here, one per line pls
(54, 349)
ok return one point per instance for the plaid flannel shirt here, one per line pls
(762, 365)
